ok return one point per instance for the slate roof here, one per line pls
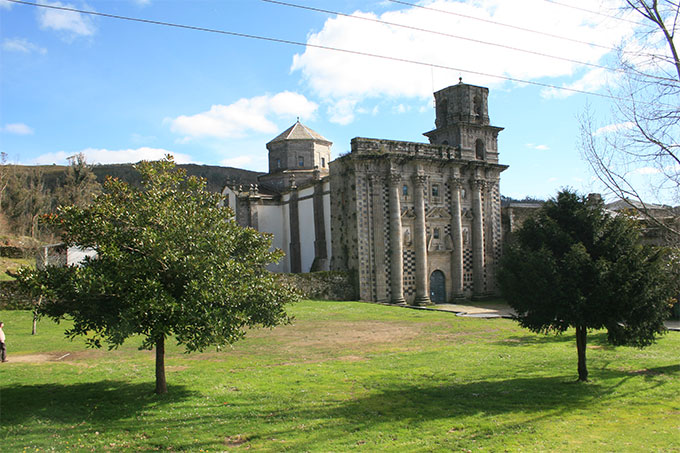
(299, 131)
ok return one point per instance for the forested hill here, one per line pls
(217, 177)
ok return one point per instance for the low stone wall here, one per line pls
(12, 299)
(330, 285)
(11, 251)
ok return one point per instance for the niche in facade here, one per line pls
(480, 149)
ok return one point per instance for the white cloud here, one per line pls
(243, 116)
(613, 128)
(646, 171)
(76, 24)
(592, 80)
(538, 147)
(106, 156)
(342, 111)
(142, 2)
(22, 46)
(335, 76)
(17, 129)
(5, 5)
(401, 108)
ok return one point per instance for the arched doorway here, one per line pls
(438, 287)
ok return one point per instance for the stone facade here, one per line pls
(420, 223)
(413, 222)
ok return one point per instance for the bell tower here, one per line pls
(462, 121)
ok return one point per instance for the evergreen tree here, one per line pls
(574, 265)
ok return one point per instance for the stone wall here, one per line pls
(331, 285)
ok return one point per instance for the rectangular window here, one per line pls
(301, 162)
(436, 233)
(435, 190)
(323, 162)
(278, 163)
(404, 190)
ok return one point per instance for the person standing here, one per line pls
(3, 350)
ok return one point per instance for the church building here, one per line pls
(415, 223)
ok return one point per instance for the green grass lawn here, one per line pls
(344, 376)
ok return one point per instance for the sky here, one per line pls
(122, 91)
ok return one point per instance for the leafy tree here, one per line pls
(26, 199)
(80, 183)
(642, 134)
(171, 262)
(574, 265)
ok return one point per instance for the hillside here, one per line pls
(216, 176)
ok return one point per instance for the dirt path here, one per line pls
(37, 358)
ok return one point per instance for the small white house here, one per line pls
(60, 255)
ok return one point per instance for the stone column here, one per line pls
(396, 242)
(456, 184)
(420, 240)
(477, 238)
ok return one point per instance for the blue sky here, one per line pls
(122, 91)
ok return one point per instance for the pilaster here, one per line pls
(478, 186)
(456, 183)
(376, 182)
(396, 241)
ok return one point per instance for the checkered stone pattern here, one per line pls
(409, 272)
(467, 269)
(386, 232)
(485, 238)
(365, 271)
(447, 197)
(426, 192)
(496, 222)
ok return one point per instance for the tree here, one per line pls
(26, 198)
(80, 183)
(637, 155)
(574, 265)
(171, 261)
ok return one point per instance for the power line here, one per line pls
(502, 24)
(316, 46)
(425, 30)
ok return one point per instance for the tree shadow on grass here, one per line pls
(511, 404)
(75, 403)
(594, 339)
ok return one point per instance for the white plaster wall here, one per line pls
(270, 220)
(306, 210)
(76, 255)
(306, 192)
(230, 196)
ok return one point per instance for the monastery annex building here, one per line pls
(415, 223)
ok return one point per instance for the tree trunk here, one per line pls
(161, 386)
(35, 316)
(581, 333)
